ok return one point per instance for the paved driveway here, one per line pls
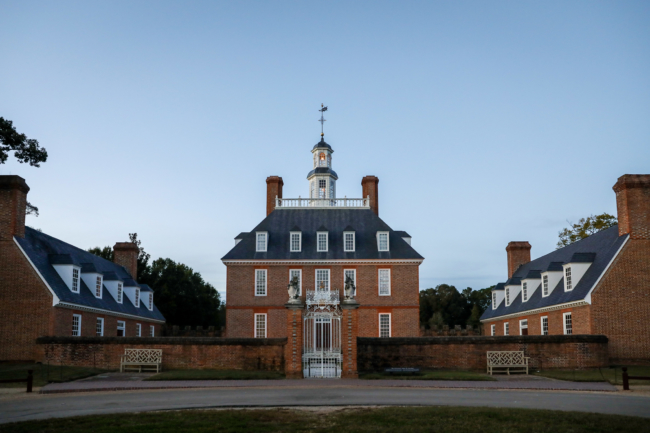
(35, 406)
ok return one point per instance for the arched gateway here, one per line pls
(321, 351)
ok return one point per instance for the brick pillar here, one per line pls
(633, 205)
(369, 187)
(13, 202)
(126, 254)
(293, 348)
(349, 333)
(518, 254)
(273, 189)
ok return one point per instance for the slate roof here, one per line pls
(366, 224)
(322, 145)
(42, 249)
(599, 248)
(402, 233)
(322, 170)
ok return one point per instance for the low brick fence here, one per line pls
(469, 353)
(178, 352)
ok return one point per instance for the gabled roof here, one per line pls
(402, 234)
(279, 223)
(241, 235)
(601, 247)
(40, 248)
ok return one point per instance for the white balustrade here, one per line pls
(322, 297)
(311, 203)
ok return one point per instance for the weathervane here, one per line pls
(322, 120)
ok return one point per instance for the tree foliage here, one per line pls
(104, 253)
(445, 305)
(26, 150)
(585, 227)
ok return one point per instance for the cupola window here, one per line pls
(322, 188)
(322, 160)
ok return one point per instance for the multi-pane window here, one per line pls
(352, 273)
(138, 330)
(322, 188)
(507, 296)
(323, 160)
(322, 279)
(322, 242)
(332, 192)
(506, 328)
(119, 293)
(568, 325)
(150, 301)
(384, 282)
(348, 241)
(524, 291)
(260, 326)
(523, 327)
(98, 287)
(545, 325)
(260, 282)
(121, 328)
(567, 276)
(152, 331)
(295, 242)
(298, 274)
(494, 301)
(137, 298)
(384, 325)
(382, 241)
(493, 330)
(99, 327)
(76, 325)
(313, 189)
(545, 285)
(75, 280)
(261, 242)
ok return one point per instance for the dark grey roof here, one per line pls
(322, 170)
(130, 282)
(554, 267)
(88, 268)
(322, 145)
(279, 222)
(583, 258)
(499, 286)
(534, 274)
(145, 288)
(603, 245)
(241, 235)
(60, 259)
(349, 228)
(403, 234)
(322, 228)
(40, 248)
(513, 281)
(295, 229)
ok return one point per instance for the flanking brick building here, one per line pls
(322, 241)
(599, 285)
(51, 288)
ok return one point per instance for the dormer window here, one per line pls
(494, 300)
(507, 296)
(119, 293)
(545, 285)
(136, 301)
(261, 241)
(524, 291)
(296, 242)
(75, 280)
(150, 301)
(568, 286)
(321, 242)
(382, 241)
(348, 242)
(98, 287)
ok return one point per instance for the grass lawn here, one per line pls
(216, 375)
(390, 419)
(43, 374)
(613, 376)
(430, 375)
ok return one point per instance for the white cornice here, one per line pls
(55, 299)
(579, 303)
(106, 312)
(321, 262)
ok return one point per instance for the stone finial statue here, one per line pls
(292, 288)
(349, 288)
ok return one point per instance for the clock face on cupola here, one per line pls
(322, 179)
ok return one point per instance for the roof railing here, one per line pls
(329, 203)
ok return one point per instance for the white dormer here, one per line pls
(349, 241)
(322, 241)
(551, 277)
(93, 279)
(133, 293)
(295, 241)
(497, 297)
(261, 241)
(512, 289)
(115, 287)
(529, 285)
(576, 268)
(70, 274)
(383, 243)
(407, 239)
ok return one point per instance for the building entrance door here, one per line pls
(321, 355)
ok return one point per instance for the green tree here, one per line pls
(444, 305)
(585, 227)
(104, 253)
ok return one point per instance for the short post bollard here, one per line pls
(30, 380)
(626, 380)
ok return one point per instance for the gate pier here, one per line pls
(293, 348)
(350, 330)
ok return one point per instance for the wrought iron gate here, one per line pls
(321, 356)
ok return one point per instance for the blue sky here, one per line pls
(486, 122)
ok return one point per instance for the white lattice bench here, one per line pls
(141, 359)
(510, 361)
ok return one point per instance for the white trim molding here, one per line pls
(107, 312)
(538, 310)
(323, 262)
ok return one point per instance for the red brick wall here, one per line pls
(633, 205)
(178, 353)
(370, 187)
(580, 318)
(518, 254)
(565, 351)
(273, 189)
(126, 254)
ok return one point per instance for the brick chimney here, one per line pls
(126, 254)
(518, 254)
(13, 202)
(633, 205)
(369, 188)
(273, 189)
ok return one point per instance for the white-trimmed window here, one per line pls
(120, 292)
(506, 328)
(332, 183)
(75, 280)
(493, 330)
(322, 242)
(384, 282)
(384, 325)
(98, 287)
(494, 302)
(296, 273)
(322, 279)
(568, 324)
(348, 242)
(382, 241)
(261, 241)
(137, 297)
(545, 286)
(352, 273)
(295, 242)
(260, 326)
(99, 327)
(152, 331)
(121, 328)
(544, 325)
(150, 301)
(138, 330)
(76, 325)
(568, 285)
(523, 327)
(524, 291)
(260, 282)
(507, 296)
(322, 188)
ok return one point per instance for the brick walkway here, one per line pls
(117, 385)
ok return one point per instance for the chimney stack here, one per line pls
(633, 205)
(273, 189)
(126, 254)
(369, 188)
(518, 254)
(13, 203)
